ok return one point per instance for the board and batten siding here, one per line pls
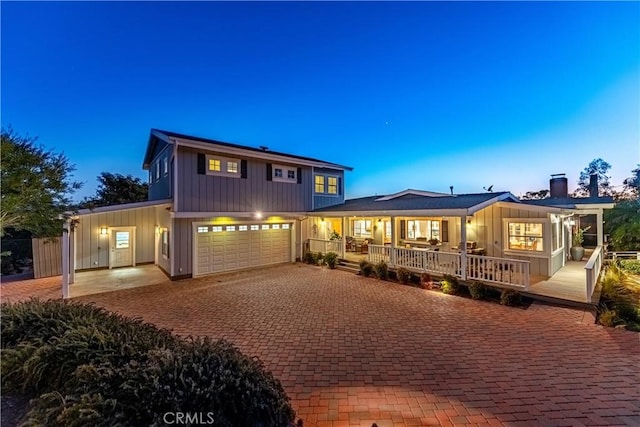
(47, 257)
(160, 189)
(163, 220)
(212, 193)
(92, 249)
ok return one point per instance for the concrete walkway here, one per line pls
(351, 351)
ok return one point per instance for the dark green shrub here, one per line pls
(510, 298)
(44, 341)
(477, 291)
(381, 270)
(366, 268)
(628, 313)
(104, 369)
(630, 266)
(403, 275)
(331, 259)
(309, 258)
(318, 258)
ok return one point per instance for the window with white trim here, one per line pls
(285, 226)
(232, 166)
(165, 164)
(265, 226)
(242, 228)
(283, 173)
(255, 227)
(231, 228)
(319, 183)
(332, 185)
(218, 165)
(525, 236)
(158, 169)
(275, 226)
(423, 229)
(203, 229)
(214, 165)
(362, 228)
(216, 228)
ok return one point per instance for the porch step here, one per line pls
(349, 266)
(560, 301)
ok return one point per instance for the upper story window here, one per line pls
(332, 185)
(158, 170)
(232, 166)
(282, 173)
(218, 165)
(166, 165)
(319, 183)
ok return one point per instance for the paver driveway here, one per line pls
(353, 351)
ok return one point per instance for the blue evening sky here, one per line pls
(412, 95)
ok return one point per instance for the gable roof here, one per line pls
(415, 202)
(572, 202)
(410, 191)
(171, 137)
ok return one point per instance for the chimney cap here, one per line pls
(558, 175)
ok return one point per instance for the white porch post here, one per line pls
(600, 228)
(463, 249)
(65, 260)
(344, 236)
(393, 241)
(72, 255)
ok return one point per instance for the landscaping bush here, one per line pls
(608, 318)
(318, 258)
(309, 258)
(426, 281)
(103, 369)
(631, 266)
(366, 268)
(381, 270)
(331, 259)
(449, 285)
(403, 275)
(477, 291)
(510, 298)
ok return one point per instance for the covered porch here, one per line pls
(116, 279)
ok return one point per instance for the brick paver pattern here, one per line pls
(352, 351)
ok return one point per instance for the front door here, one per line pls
(121, 248)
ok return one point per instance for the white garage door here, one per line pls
(232, 247)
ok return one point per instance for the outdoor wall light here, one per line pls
(322, 219)
(259, 215)
(103, 231)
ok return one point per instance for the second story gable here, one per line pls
(212, 176)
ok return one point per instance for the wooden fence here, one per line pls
(47, 257)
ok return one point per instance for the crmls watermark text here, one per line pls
(188, 418)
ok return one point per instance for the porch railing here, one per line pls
(503, 271)
(325, 246)
(623, 255)
(592, 269)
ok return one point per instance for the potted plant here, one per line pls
(577, 251)
(434, 241)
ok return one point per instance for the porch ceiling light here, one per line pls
(103, 231)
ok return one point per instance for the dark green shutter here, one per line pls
(445, 231)
(201, 164)
(403, 229)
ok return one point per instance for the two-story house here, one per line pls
(213, 207)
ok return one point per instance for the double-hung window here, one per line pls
(319, 183)
(525, 236)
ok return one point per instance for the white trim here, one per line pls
(546, 237)
(265, 215)
(131, 229)
(266, 155)
(224, 165)
(65, 259)
(415, 193)
(533, 208)
(417, 212)
(285, 169)
(498, 199)
(125, 206)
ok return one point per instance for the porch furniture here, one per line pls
(364, 248)
(350, 244)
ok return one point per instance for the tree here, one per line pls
(535, 195)
(116, 189)
(36, 186)
(597, 167)
(632, 184)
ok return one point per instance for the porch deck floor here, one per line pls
(98, 281)
(569, 283)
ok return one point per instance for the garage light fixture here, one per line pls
(259, 215)
(103, 231)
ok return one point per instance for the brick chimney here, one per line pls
(593, 185)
